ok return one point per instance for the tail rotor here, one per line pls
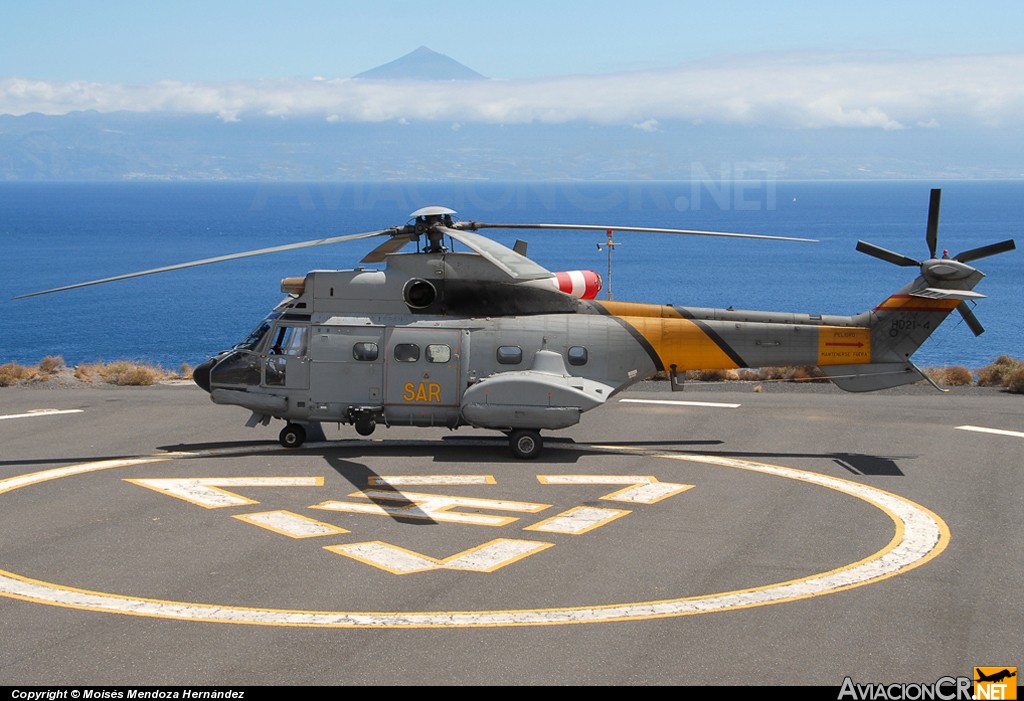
(946, 277)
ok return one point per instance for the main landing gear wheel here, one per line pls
(526, 444)
(292, 436)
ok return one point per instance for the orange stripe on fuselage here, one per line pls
(677, 341)
(910, 303)
(663, 311)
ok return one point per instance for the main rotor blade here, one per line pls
(932, 234)
(972, 321)
(217, 259)
(512, 263)
(983, 251)
(886, 255)
(392, 245)
(474, 226)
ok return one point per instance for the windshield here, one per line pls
(257, 334)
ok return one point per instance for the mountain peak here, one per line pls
(421, 64)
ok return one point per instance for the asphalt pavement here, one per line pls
(725, 534)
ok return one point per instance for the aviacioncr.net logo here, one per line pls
(944, 689)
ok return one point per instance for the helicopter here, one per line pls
(489, 338)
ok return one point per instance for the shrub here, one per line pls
(1015, 381)
(123, 372)
(956, 376)
(998, 373)
(51, 364)
(708, 375)
(12, 374)
(806, 373)
(802, 373)
(88, 372)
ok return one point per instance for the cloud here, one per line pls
(791, 91)
(648, 125)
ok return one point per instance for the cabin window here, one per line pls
(365, 350)
(438, 353)
(407, 352)
(510, 355)
(577, 355)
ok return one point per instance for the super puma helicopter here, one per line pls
(489, 338)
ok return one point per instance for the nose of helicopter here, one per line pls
(201, 374)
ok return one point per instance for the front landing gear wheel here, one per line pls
(526, 444)
(292, 436)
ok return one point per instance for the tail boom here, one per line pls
(859, 353)
(692, 338)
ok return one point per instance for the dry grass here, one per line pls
(88, 372)
(707, 375)
(1005, 372)
(802, 373)
(124, 373)
(956, 376)
(13, 374)
(121, 372)
(732, 375)
(51, 365)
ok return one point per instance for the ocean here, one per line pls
(57, 234)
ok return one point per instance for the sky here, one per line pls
(881, 65)
(211, 40)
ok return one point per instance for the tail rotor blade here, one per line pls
(886, 255)
(984, 251)
(932, 235)
(972, 321)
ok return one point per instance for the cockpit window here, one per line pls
(254, 338)
(289, 340)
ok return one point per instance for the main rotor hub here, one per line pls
(429, 221)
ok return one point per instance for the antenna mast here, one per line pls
(611, 246)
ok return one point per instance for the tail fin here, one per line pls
(901, 323)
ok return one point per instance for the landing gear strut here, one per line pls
(292, 436)
(526, 443)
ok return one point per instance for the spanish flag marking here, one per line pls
(910, 303)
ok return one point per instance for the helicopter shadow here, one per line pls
(347, 459)
(362, 477)
(855, 463)
(357, 473)
(565, 451)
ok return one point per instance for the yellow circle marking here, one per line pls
(920, 535)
